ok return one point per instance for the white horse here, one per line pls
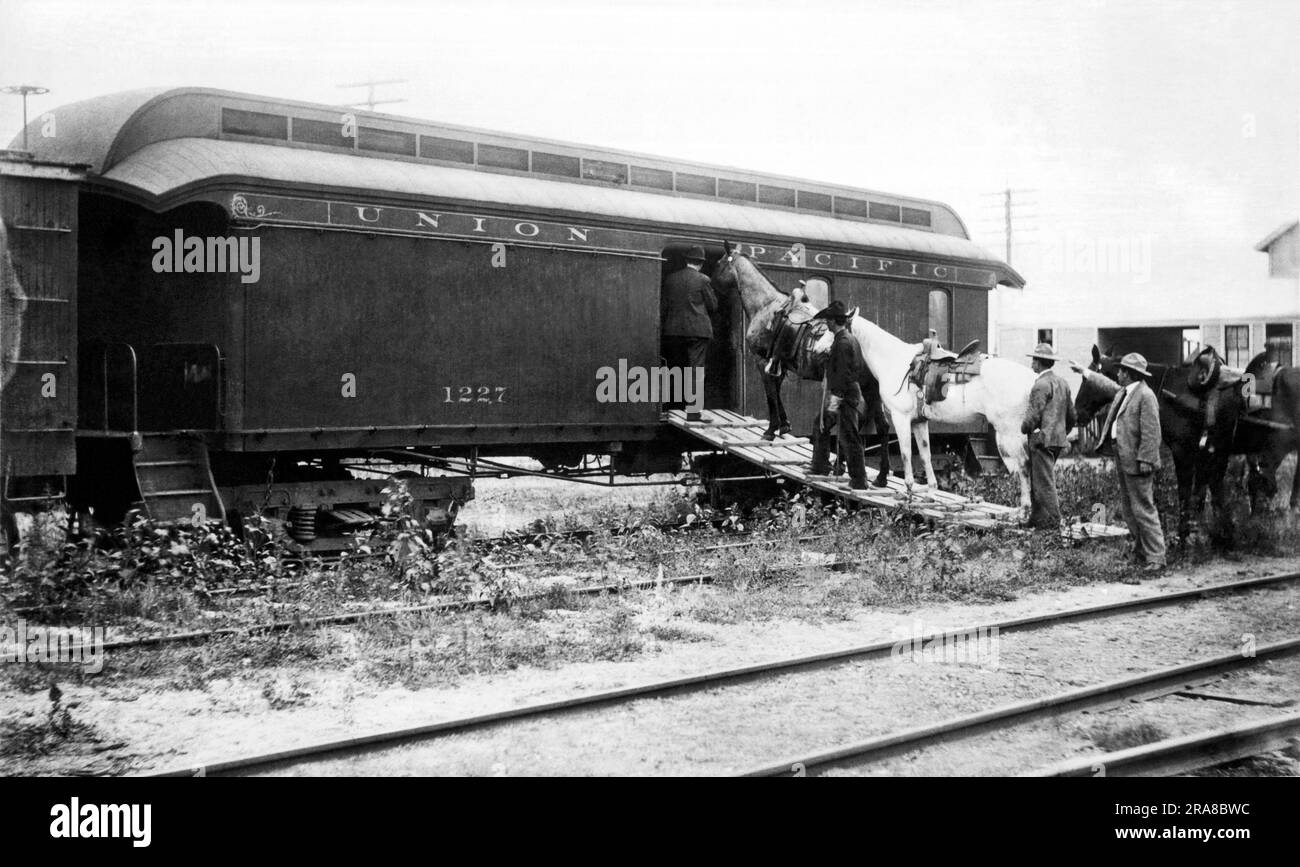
(999, 394)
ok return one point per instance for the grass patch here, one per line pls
(176, 582)
(1123, 736)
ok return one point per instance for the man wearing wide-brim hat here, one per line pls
(686, 302)
(1049, 418)
(1132, 428)
(844, 370)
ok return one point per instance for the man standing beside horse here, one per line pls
(1048, 422)
(1133, 427)
(844, 370)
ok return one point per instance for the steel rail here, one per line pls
(1183, 754)
(1109, 692)
(704, 680)
(454, 605)
(346, 617)
(520, 537)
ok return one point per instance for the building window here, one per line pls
(1236, 345)
(940, 322)
(1045, 335)
(818, 290)
(1277, 342)
(1191, 344)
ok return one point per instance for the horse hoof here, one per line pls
(769, 435)
(784, 431)
(882, 480)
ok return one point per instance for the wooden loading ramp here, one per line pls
(790, 457)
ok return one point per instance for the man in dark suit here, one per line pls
(844, 370)
(1048, 422)
(684, 307)
(1132, 429)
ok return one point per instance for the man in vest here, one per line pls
(1048, 421)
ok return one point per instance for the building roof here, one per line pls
(1281, 230)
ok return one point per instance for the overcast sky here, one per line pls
(1166, 131)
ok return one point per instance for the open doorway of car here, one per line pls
(723, 382)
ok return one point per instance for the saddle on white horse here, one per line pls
(934, 368)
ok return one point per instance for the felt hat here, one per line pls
(1136, 363)
(834, 310)
(1045, 352)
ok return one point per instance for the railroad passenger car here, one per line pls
(270, 292)
(38, 328)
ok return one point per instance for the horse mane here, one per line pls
(762, 273)
(876, 327)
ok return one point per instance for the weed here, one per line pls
(1112, 737)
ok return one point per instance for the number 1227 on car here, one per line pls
(472, 394)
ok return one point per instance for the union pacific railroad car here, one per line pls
(267, 294)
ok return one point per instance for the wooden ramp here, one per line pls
(790, 457)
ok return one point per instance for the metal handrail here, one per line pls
(135, 396)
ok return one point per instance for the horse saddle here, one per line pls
(934, 368)
(795, 334)
(1258, 396)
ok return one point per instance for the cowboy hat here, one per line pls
(834, 310)
(1135, 363)
(1045, 352)
(695, 254)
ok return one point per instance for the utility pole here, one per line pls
(1008, 205)
(370, 102)
(24, 90)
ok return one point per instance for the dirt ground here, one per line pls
(142, 727)
(158, 718)
(505, 505)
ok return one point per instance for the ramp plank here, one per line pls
(741, 436)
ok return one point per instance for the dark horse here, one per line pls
(1280, 425)
(779, 336)
(1200, 451)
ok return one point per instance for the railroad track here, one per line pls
(1186, 754)
(803, 764)
(1158, 682)
(347, 617)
